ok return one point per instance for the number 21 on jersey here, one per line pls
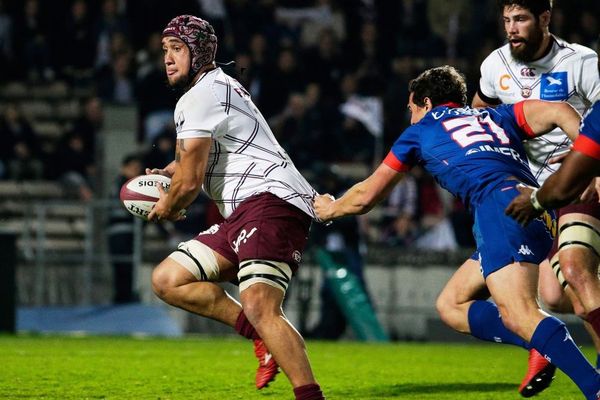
(470, 129)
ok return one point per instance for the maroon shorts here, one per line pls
(591, 209)
(262, 227)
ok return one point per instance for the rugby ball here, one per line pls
(138, 195)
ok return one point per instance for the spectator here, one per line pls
(89, 124)
(6, 42)
(33, 34)
(80, 38)
(325, 66)
(400, 213)
(109, 24)
(115, 83)
(20, 153)
(285, 78)
(74, 166)
(121, 236)
(155, 99)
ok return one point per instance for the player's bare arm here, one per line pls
(479, 103)
(191, 157)
(560, 189)
(361, 197)
(543, 117)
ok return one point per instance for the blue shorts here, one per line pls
(501, 241)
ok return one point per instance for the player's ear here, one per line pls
(545, 19)
(428, 104)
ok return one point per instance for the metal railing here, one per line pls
(82, 246)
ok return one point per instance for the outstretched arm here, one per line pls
(544, 116)
(560, 189)
(571, 179)
(360, 198)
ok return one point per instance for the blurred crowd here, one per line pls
(329, 75)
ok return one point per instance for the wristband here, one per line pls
(535, 202)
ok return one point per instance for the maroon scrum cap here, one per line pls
(198, 35)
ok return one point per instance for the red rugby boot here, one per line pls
(540, 373)
(267, 366)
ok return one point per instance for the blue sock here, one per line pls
(486, 324)
(552, 339)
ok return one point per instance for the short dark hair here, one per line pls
(441, 84)
(537, 7)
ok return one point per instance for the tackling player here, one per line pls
(225, 147)
(567, 184)
(534, 64)
(477, 155)
(561, 188)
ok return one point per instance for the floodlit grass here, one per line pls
(57, 367)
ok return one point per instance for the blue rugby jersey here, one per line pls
(468, 151)
(588, 141)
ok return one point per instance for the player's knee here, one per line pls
(443, 306)
(263, 285)
(574, 275)
(162, 282)
(579, 310)
(448, 308)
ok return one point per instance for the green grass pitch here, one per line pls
(59, 367)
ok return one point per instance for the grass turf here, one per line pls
(58, 367)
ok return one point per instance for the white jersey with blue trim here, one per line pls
(245, 158)
(569, 72)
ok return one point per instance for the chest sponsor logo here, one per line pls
(527, 72)
(554, 86)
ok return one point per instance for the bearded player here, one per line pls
(535, 64)
(225, 147)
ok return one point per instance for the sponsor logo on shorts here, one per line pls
(525, 250)
(297, 256)
(243, 238)
(211, 231)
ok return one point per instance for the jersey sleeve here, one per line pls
(487, 87)
(197, 117)
(404, 153)
(588, 141)
(589, 78)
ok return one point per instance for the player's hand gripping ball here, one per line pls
(140, 194)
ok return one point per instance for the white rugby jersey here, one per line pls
(245, 158)
(569, 72)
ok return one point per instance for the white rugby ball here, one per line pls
(139, 194)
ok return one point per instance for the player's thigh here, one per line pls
(579, 244)
(465, 285)
(194, 261)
